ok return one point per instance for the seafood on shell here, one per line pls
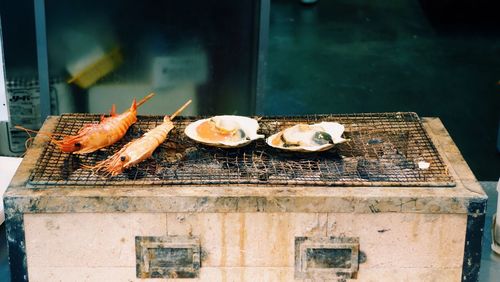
(225, 131)
(308, 137)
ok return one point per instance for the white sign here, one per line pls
(171, 71)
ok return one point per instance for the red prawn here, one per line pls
(139, 149)
(92, 137)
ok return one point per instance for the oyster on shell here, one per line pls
(308, 137)
(224, 131)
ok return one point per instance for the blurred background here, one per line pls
(436, 58)
(280, 57)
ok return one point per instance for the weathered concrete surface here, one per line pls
(404, 240)
(247, 232)
(246, 198)
(230, 274)
(247, 239)
(418, 243)
(88, 239)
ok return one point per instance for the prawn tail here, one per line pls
(134, 105)
(169, 125)
(113, 110)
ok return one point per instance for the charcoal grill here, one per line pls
(383, 150)
(363, 210)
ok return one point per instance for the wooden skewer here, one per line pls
(180, 110)
(143, 100)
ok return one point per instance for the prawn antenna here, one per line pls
(28, 131)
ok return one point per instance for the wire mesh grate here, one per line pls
(384, 149)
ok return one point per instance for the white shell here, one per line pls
(333, 128)
(248, 125)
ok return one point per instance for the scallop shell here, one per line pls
(333, 128)
(248, 125)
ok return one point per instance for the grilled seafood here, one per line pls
(308, 138)
(224, 131)
(93, 137)
(138, 150)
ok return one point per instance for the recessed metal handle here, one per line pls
(167, 257)
(326, 257)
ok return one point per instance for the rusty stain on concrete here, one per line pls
(223, 242)
(242, 242)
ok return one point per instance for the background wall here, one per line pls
(342, 56)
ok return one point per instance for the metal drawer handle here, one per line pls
(167, 257)
(326, 257)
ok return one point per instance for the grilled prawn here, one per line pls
(138, 150)
(93, 137)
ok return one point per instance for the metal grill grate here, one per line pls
(384, 150)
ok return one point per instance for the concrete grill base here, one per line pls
(244, 246)
(247, 233)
